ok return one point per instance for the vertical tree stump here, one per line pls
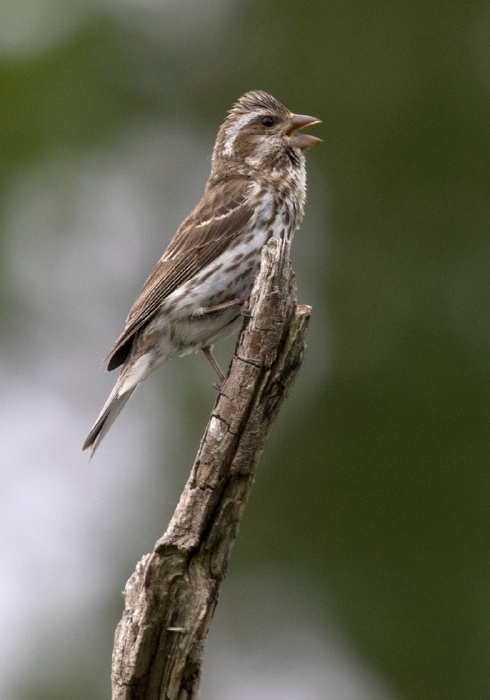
(171, 596)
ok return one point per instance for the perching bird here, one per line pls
(196, 294)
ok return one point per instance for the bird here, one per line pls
(198, 292)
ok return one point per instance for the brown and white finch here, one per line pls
(195, 295)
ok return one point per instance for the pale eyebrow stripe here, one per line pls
(232, 132)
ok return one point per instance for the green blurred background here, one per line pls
(362, 567)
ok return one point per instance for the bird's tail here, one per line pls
(131, 375)
(113, 407)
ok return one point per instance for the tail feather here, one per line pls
(115, 404)
(132, 374)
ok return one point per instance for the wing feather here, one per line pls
(208, 230)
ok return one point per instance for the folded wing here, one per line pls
(210, 228)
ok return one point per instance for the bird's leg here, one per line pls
(243, 302)
(209, 355)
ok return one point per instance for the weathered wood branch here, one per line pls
(171, 597)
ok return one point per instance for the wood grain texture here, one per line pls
(171, 596)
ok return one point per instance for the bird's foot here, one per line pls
(245, 310)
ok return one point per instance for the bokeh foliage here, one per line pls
(376, 481)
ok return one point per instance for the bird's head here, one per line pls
(260, 135)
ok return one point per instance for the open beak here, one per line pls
(303, 141)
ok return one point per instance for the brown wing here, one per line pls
(208, 230)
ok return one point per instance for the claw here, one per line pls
(245, 310)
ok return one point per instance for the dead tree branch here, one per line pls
(171, 597)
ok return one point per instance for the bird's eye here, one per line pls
(267, 121)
